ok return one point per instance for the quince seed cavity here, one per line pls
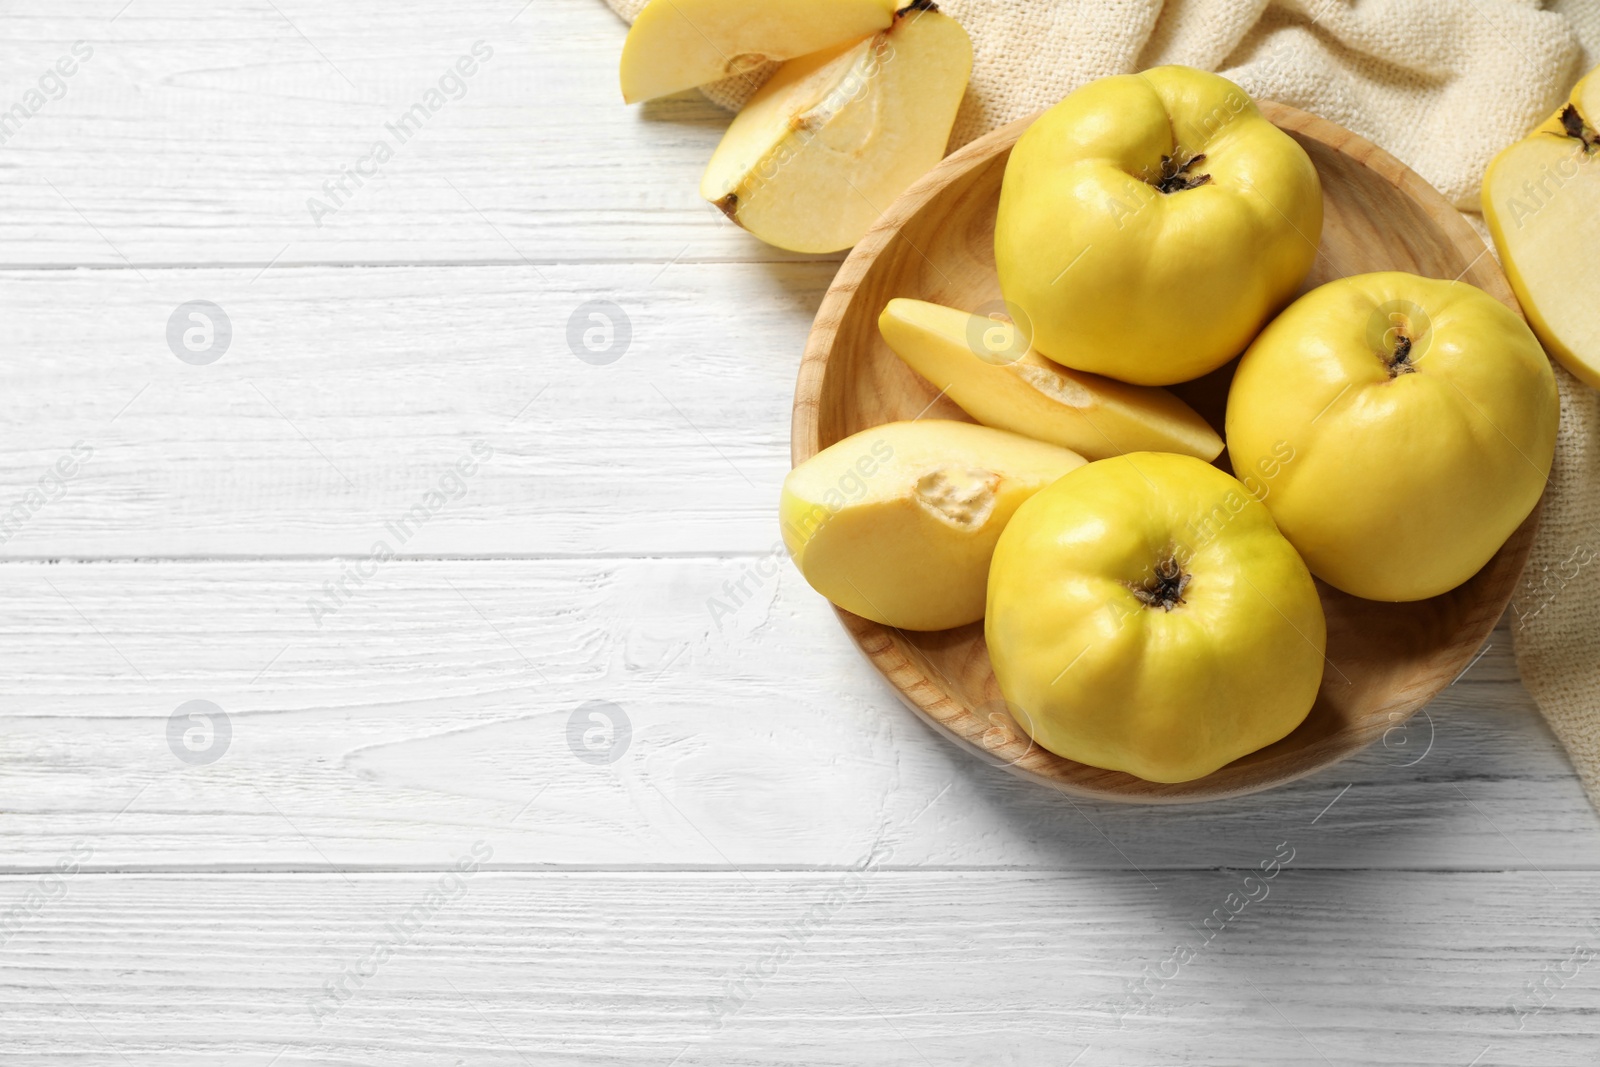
(964, 498)
(1054, 385)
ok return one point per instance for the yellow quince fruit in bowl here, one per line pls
(1146, 616)
(1402, 429)
(1151, 223)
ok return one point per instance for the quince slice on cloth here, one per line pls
(1541, 200)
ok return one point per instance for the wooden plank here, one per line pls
(436, 699)
(344, 397)
(186, 138)
(850, 968)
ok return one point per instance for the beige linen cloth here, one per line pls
(1443, 85)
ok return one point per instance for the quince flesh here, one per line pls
(986, 366)
(1541, 200)
(897, 523)
(679, 44)
(824, 148)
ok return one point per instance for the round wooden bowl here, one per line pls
(936, 243)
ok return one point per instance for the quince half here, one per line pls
(823, 149)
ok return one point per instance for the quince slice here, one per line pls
(988, 367)
(1541, 200)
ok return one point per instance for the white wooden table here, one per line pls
(766, 860)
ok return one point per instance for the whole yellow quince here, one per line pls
(1151, 223)
(1146, 616)
(1398, 428)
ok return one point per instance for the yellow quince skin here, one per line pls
(1146, 616)
(1151, 223)
(1419, 421)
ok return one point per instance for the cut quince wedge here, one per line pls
(987, 366)
(897, 523)
(823, 149)
(1541, 201)
(678, 44)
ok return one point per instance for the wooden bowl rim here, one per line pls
(911, 683)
